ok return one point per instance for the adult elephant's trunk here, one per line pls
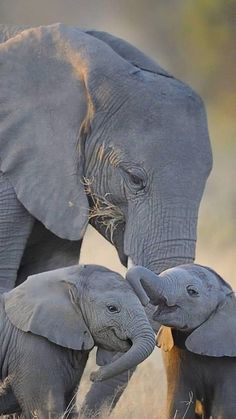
(165, 242)
(143, 343)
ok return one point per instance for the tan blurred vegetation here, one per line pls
(195, 40)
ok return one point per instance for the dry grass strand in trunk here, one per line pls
(106, 213)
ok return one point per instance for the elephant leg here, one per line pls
(38, 395)
(71, 411)
(183, 404)
(45, 251)
(181, 397)
(8, 403)
(107, 392)
(223, 404)
(15, 226)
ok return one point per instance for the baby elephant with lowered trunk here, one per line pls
(200, 308)
(49, 324)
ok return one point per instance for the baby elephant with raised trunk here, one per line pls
(200, 307)
(49, 324)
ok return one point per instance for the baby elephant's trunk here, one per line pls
(143, 343)
(147, 285)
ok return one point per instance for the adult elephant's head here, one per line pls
(93, 129)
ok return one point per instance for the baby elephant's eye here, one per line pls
(192, 291)
(113, 309)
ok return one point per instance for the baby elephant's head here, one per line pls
(189, 294)
(193, 299)
(82, 306)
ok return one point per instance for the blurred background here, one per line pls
(195, 41)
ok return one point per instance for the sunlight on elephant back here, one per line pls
(99, 251)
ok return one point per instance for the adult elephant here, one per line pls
(91, 128)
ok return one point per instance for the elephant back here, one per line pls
(130, 53)
(9, 31)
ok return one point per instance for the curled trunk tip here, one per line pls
(144, 283)
(142, 347)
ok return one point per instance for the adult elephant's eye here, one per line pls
(112, 308)
(193, 292)
(136, 179)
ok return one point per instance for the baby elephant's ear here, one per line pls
(43, 305)
(217, 336)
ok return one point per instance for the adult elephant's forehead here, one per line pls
(156, 113)
(155, 94)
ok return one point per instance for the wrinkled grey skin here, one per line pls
(200, 307)
(67, 312)
(78, 105)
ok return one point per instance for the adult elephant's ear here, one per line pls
(43, 306)
(217, 336)
(46, 109)
(130, 53)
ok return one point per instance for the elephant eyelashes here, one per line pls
(192, 291)
(113, 309)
